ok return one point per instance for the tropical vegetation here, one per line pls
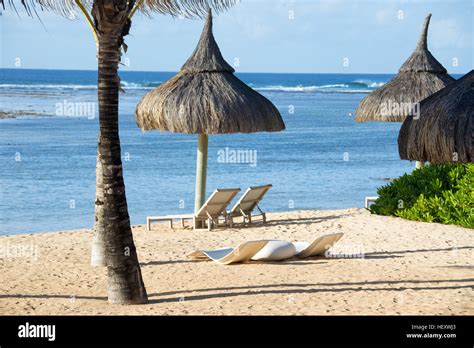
(441, 193)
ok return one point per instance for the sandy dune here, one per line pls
(407, 268)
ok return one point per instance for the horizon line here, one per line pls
(237, 72)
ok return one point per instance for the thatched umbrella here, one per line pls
(420, 76)
(444, 132)
(205, 97)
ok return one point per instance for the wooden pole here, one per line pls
(201, 172)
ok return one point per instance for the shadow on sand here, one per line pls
(299, 221)
(418, 251)
(236, 291)
(311, 288)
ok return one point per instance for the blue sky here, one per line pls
(314, 36)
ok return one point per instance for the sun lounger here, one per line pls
(318, 247)
(213, 209)
(169, 218)
(248, 202)
(242, 253)
(268, 250)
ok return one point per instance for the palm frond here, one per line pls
(185, 8)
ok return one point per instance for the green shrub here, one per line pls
(435, 193)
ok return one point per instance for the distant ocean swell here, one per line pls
(357, 86)
(125, 84)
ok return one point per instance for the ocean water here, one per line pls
(323, 160)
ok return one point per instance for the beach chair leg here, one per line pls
(250, 219)
(171, 223)
(264, 216)
(182, 222)
(148, 224)
(209, 224)
(199, 223)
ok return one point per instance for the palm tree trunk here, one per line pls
(125, 284)
(98, 242)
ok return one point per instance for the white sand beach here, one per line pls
(407, 268)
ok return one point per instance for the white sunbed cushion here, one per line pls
(300, 246)
(276, 250)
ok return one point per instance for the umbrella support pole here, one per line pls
(419, 164)
(201, 172)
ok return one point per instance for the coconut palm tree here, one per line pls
(110, 21)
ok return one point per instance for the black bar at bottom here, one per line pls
(331, 330)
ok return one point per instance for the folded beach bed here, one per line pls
(270, 250)
(209, 214)
(225, 256)
(319, 247)
(248, 202)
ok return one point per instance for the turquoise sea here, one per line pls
(323, 160)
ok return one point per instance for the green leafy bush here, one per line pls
(435, 193)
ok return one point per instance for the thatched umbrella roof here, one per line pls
(444, 131)
(420, 76)
(205, 97)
